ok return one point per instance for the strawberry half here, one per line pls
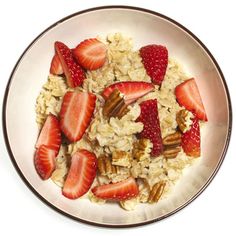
(120, 191)
(131, 90)
(44, 161)
(50, 134)
(191, 140)
(155, 61)
(74, 73)
(90, 54)
(76, 113)
(56, 67)
(151, 130)
(187, 95)
(81, 174)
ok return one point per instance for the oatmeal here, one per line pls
(126, 122)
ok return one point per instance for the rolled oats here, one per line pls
(116, 136)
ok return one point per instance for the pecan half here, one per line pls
(115, 105)
(105, 166)
(183, 119)
(172, 145)
(172, 139)
(121, 158)
(142, 149)
(171, 152)
(156, 192)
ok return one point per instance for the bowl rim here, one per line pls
(142, 10)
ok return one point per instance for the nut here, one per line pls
(172, 145)
(172, 139)
(115, 105)
(183, 119)
(142, 149)
(105, 166)
(121, 158)
(156, 192)
(171, 152)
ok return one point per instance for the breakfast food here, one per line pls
(117, 124)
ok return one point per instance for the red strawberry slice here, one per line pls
(76, 113)
(132, 90)
(81, 174)
(50, 134)
(151, 130)
(74, 73)
(56, 67)
(191, 140)
(44, 161)
(155, 61)
(188, 95)
(120, 191)
(91, 54)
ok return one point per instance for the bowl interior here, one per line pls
(145, 28)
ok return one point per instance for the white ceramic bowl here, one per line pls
(145, 27)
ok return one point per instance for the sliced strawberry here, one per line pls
(123, 190)
(56, 67)
(90, 54)
(76, 113)
(81, 174)
(188, 95)
(74, 73)
(151, 130)
(44, 161)
(155, 61)
(191, 140)
(131, 89)
(50, 134)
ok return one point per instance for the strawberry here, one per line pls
(81, 174)
(151, 130)
(155, 60)
(76, 112)
(132, 90)
(191, 140)
(50, 134)
(119, 191)
(74, 73)
(56, 68)
(90, 54)
(187, 95)
(44, 161)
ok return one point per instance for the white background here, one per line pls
(212, 213)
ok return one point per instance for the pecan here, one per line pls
(115, 105)
(181, 119)
(156, 192)
(171, 152)
(172, 139)
(142, 149)
(121, 158)
(105, 166)
(172, 145)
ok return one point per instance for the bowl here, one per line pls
(145, 27)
